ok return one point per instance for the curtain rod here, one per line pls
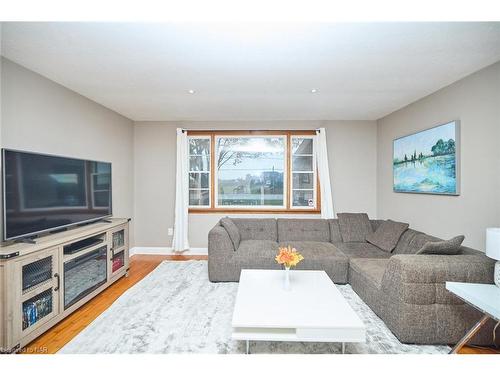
(252, 130)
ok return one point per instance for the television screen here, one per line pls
(44, 192)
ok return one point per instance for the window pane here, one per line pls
(303, 198)
(199, 146)
(255, 189)
(199, 197)
(303, 180)
(302, 163)
(302, 146)
(199, 163)
(250, 171)
(199, 180)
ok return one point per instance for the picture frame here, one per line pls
(428, 161)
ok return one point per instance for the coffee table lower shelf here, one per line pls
(341, 336)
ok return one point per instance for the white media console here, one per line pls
(43, 282)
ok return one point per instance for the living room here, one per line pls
(250, 188)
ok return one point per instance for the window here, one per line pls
(199, 171)
(303, 172)
(252, 171)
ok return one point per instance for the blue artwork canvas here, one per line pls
(427, 162)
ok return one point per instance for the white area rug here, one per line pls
(175, 309)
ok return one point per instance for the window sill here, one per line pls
(254, 211)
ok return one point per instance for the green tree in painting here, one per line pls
(443, 148)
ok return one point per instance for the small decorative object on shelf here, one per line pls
(289, 257)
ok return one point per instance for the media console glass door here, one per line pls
(37, 291)
(119, 243)
(84, 274)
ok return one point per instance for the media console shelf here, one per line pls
(42, 283)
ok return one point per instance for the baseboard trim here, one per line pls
(166, 251)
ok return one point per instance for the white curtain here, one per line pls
(180, 240)
(324, 175)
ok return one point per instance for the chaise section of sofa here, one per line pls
(408, 292)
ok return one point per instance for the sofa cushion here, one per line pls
(322, 256)
(257, 248)
(303, 230)
(375, 224)
(361, 250)
(335, 235)
(257, 229)
(449, 247)
(420, 240)
(387, 235)
(403, 245)
(371, 269)
(232, 230)
(368, 288)
(354, 227)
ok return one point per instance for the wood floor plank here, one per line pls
(140, 266)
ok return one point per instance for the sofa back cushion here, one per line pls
(354, 227)
(403, 245)
(257, 229)
(387, 235)
(335, 235)
(375, 224)
(303, 230)
(420, 240)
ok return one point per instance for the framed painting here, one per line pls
(428, 161)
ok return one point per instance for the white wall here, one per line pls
(42, 116)
(475, 101)
(352, 157)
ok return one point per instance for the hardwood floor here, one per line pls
(140, 265)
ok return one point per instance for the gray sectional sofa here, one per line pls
(406, 290)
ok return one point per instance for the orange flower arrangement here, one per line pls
(288, 256)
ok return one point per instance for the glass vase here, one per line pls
(286, 281)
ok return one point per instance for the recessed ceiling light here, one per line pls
(314, 91)
(191, 91)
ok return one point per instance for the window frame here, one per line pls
(287, 177)
(209, 172)
(314, 172)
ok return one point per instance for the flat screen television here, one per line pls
(43, 193)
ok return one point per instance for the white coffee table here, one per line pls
(313, 310)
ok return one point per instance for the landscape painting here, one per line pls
(427, 162)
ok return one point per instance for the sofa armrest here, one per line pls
(420, 279)
(221, 264)
(219, 243)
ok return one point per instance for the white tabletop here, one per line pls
(484, 297)
(314, 308)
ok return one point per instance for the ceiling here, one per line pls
(251, 71)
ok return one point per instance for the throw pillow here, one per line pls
(387, 235)
(450, 247)
(232, 230)
(354, 227)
